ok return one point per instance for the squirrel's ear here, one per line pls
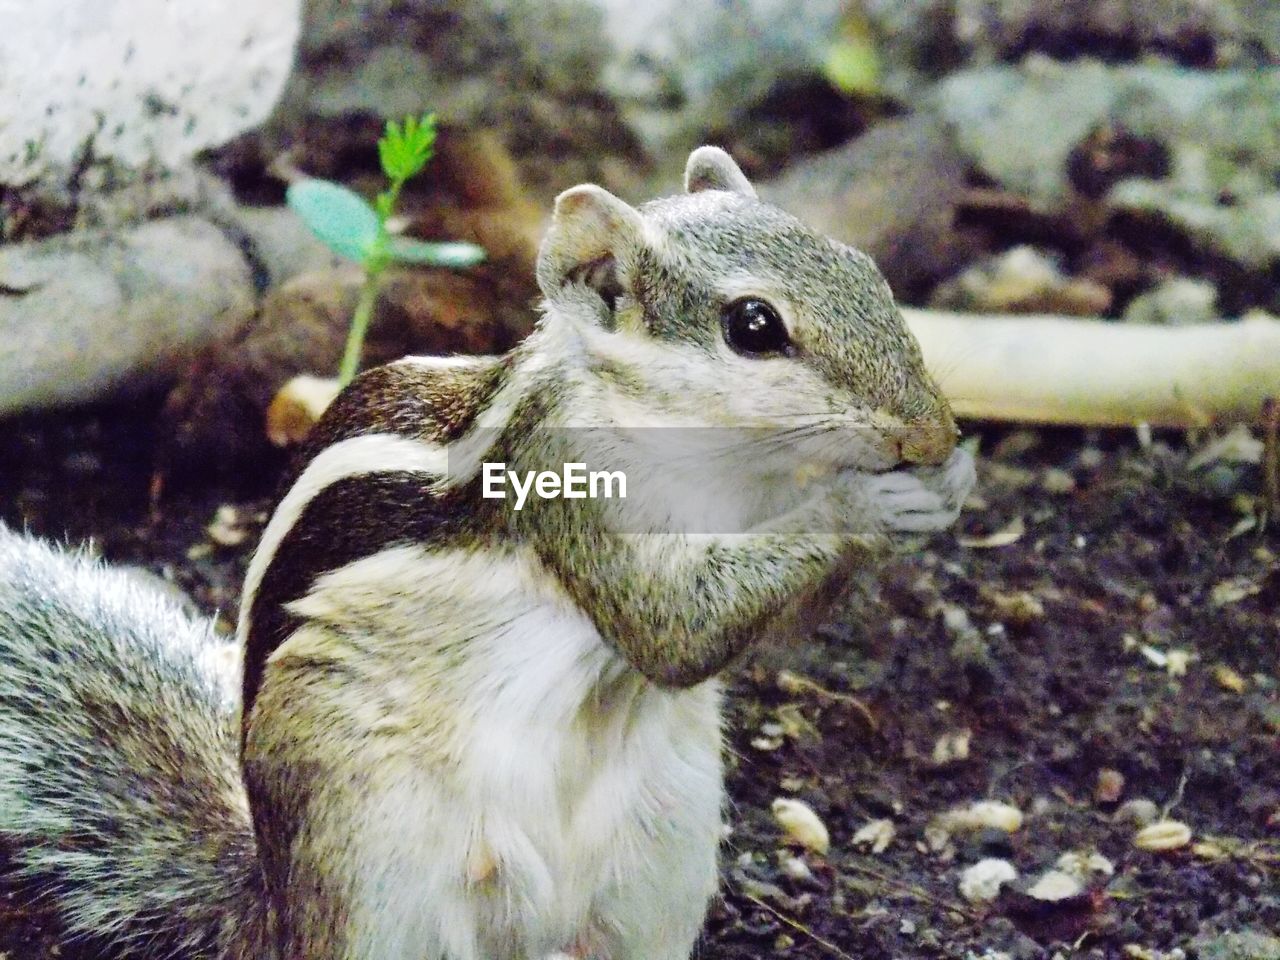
(589, 229)
(710, 168)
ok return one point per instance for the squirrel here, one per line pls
(467, 725)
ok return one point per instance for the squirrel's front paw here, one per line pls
(922, 499)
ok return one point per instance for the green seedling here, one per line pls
(353, 228)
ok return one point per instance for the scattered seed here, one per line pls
(227, 528)
(1163, 835)
(1004, 537)
(1155, 656)
(952, 748)
(875, 835)
(297, 407)
(1233, 591)
(1228, 679)
(1179, 660)
(1019, 607)
(983, 815)
(1175, 662)
(1207, 850)
(1057, 481)
(801, 824)
(793, 867)
(981, 882)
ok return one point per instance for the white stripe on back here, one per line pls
(354, 457)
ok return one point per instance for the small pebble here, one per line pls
(1110, 786)
(793, 867)
(801, 825)
(875, 835)
(1139, 810)
(1178, 661)
(227, 528)
(1055, 885)
(1081, 865)
(1057, 481)
(981, 882)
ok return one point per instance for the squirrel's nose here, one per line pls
(927, 442)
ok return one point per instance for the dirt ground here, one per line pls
(1095, 635)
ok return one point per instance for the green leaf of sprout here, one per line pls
(453, 255)
(405, 149)
(338, 216)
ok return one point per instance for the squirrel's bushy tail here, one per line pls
(121, 804)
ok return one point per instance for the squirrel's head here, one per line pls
(719, 308)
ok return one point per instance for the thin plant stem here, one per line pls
(375, 263)
(359, 324)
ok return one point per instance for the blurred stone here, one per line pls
(921, 40)
(892, 192)
(1021, 125)
(1022, 280)
(1174, 303)
(600, 90)
(133, 86)
(90, 313)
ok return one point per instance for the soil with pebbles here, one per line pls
(1038, 657)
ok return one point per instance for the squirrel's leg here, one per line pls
(658, 908)
(377, 879)
(680, 606)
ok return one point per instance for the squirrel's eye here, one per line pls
(753, 327)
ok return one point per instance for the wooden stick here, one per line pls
(1049, 369)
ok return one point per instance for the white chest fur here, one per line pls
(527, 792)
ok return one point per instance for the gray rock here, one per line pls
(600, 87)
(672, 83)
(921, 40)
(133, 85)
(892, 192)
(278, 242)
(1174, 303)
(88, 314)
(1020, 124)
